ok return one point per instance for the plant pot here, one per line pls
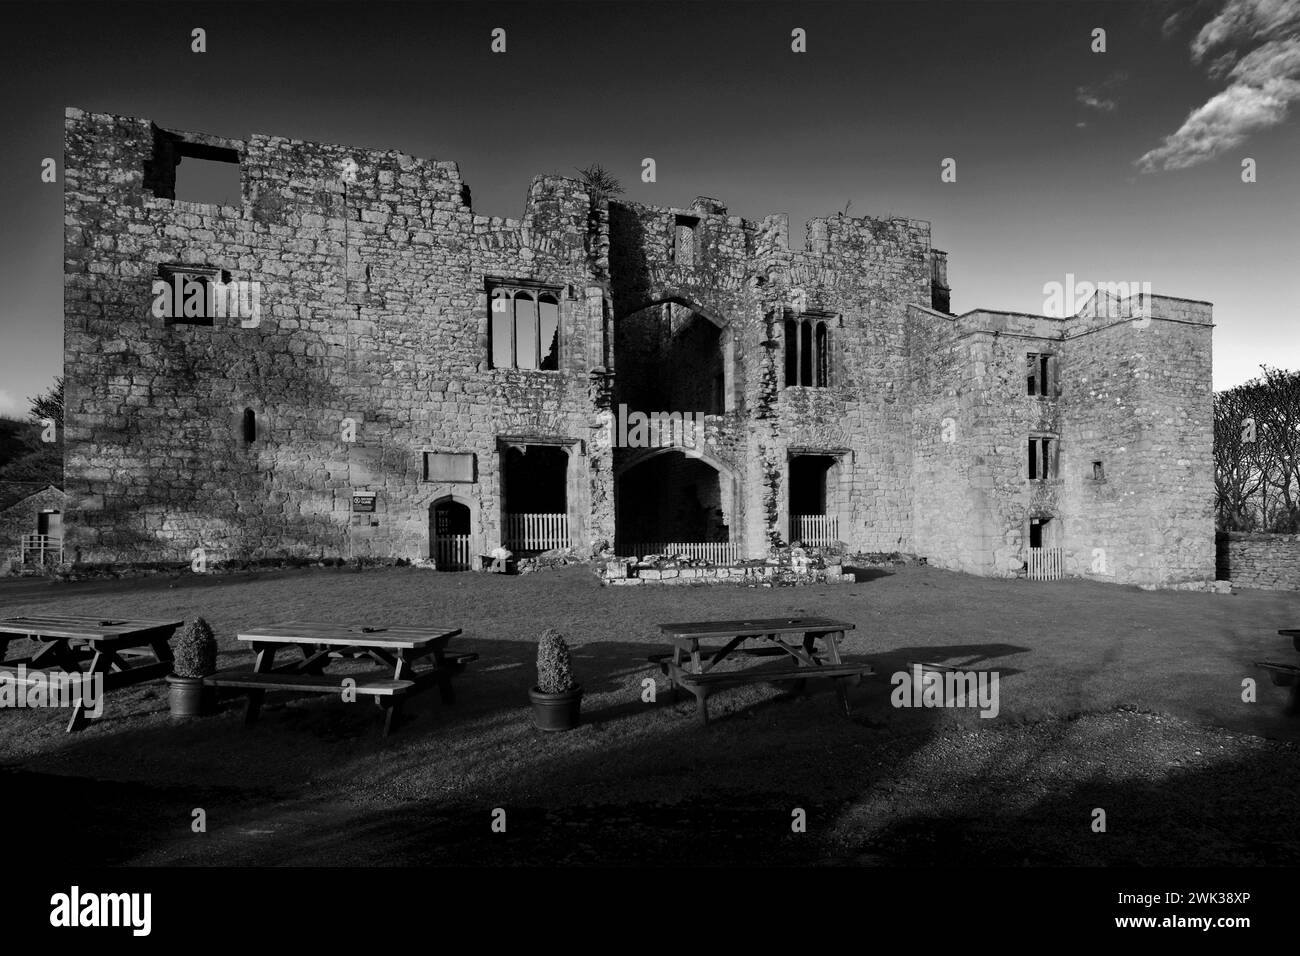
(189, 697)
(556, 711)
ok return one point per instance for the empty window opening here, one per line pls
(524, 328)
(807, 352)
(1042, 454)
(684, 240)
(1039, 377)
(1098, 472)
(190, 298)
(207, 175)
(250, 426)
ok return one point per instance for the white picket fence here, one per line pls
(715, 552)
(1046, 564)
(41, 549)
(451, 553)
(819, 531)
(525, 532)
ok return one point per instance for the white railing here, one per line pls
(41, 548)
(451, 553)
(526, 532)
(715, 552)
(819, 531)
(1046, 564)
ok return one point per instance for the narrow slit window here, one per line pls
(684, 240)
(823, 362)
(791, 352)
(250, 426)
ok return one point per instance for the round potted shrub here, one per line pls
(194, 658)
(557, 698)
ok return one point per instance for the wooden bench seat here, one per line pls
(1284, 675)
(373, 683)
(760, 675)
(708, 652)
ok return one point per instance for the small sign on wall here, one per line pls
(363, 502)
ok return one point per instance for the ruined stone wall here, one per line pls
(860, 275)
(1258, 560)
(375, 278)
(373, 274)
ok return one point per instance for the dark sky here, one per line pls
(1049, 137)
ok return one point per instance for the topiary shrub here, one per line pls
(195, 650)
(554, 669)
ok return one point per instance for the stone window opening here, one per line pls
(195, 168)
(684, 240)
(807, 352)
(1042, 457)
(250, 426)
(190, 289)
(1098, 471)
(1041, 374)
(524, 328)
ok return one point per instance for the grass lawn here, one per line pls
(1111, 697)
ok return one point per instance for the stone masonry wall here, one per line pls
(373, 272)
(375, 278)
(1256, 560)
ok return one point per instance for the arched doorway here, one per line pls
(450, 531)
(671, 501)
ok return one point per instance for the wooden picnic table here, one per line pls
(700, 676)
(395, 649)
(88, 646)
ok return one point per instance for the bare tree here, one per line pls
(1257, 453)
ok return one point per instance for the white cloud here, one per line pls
(11, 407)
(1100, 96)
(1263, 82)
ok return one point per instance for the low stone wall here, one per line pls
(1257, 560)
(763, 575)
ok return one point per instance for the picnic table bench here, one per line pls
(1286, 675)
(115, 650)
(700, 677)
(395, 649)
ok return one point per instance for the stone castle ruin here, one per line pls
(415, 380)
